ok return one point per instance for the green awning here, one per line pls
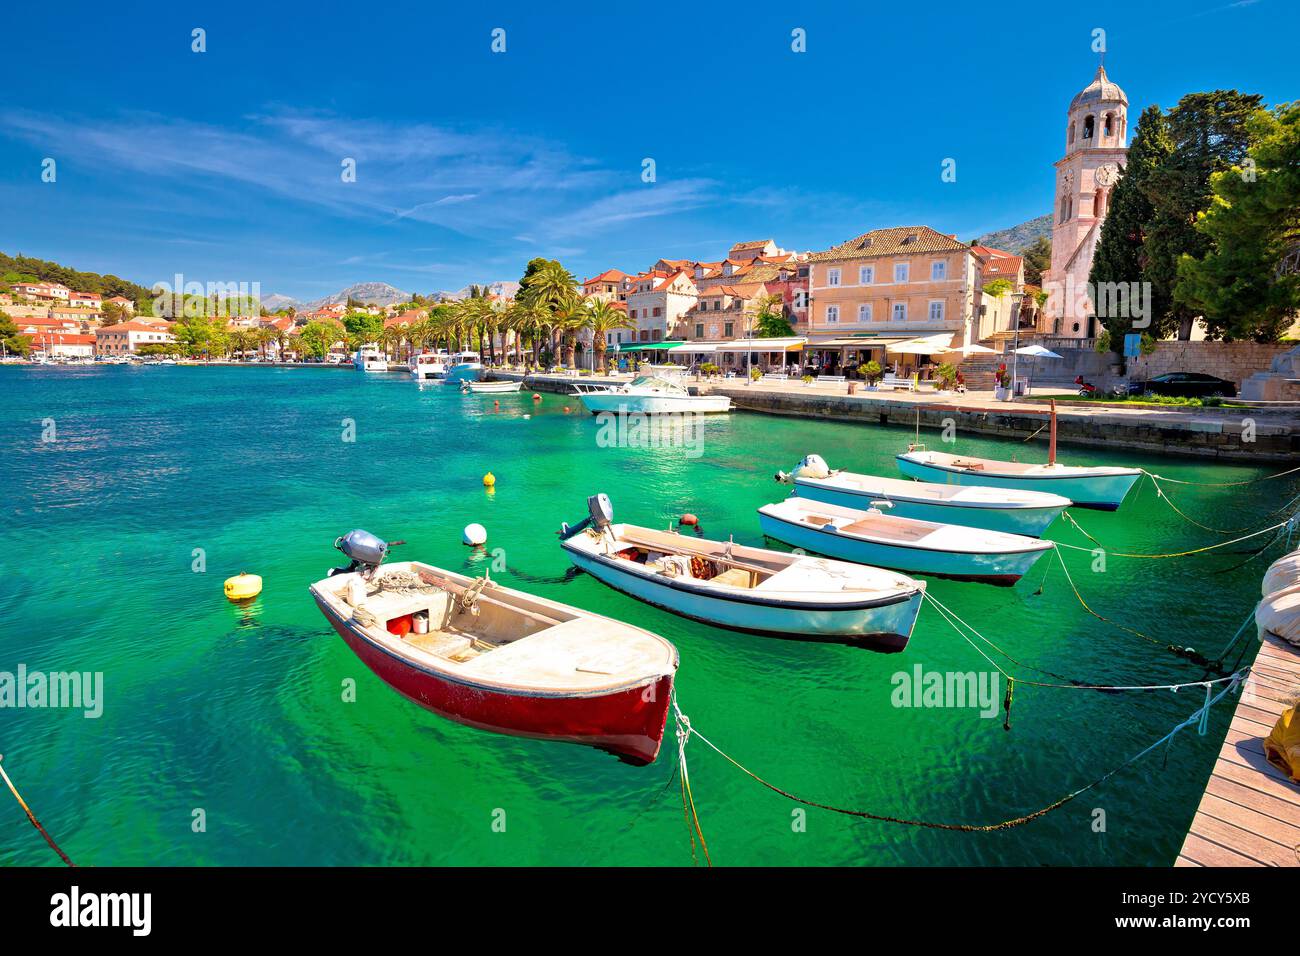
(646, 346)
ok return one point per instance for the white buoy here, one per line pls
(474, 534)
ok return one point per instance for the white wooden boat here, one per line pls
(746, 588)
(647, 395)
(499, 659)
(1087, 487)
(872, 537)
(492, 388)
(1099, 487)
(1014, 511)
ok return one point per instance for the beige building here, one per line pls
(126, 337)
(889, 285)
(657, 303)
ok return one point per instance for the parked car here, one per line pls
(1190, 385)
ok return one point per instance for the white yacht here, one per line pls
(427, 366)
(368, 358)
(464, 367)
(647, 395)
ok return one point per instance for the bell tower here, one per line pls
(1096, 145)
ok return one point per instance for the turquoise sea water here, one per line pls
(238, 712)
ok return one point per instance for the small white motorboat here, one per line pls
(491, 388)
(500, 659)
(428, 366)
(995, 509)
(463, 367)
(746, 588)
(368, 358)
(647, 395)
(924, 547)
(1101, 487)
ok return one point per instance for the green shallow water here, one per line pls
(239, 711)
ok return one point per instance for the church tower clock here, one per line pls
(1096, 137)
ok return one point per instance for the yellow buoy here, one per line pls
(489, 480)
(243, 586)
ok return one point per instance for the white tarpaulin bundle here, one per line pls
(1279, 612)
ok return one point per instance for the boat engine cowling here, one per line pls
(812, 466)
(601, 511)
(365, 550)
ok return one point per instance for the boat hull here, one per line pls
(991, 568)
(882, 626)
(619, 404)
(1031, 522)
(494, 388)
(1102, 492)
(464, 372)
(628, 722)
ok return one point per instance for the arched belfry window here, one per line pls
(1089, 123)
(1070, 135)
(1109, 128)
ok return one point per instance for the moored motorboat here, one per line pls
(428, 366)
(647, 395)
(368, 358)
(492, 388)
(1101, 487)
(1015, 511)
(463, 367)
(499, 659)
(746, 588)
(923, 547)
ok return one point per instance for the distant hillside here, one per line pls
(26, 269)
(275, 302)
(371, 293)
(1019, 238)
(503, 287)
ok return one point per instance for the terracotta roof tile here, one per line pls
(890, 242)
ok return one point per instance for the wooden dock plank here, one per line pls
(1249, 814)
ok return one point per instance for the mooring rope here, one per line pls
(1290, 523)
(1161, 494)
(950, 616)
(693, 828)
(32, 817)
(1196, 718)
(1221, 484)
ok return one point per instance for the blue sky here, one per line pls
(225, 165)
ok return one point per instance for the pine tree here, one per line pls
(1253, 224)
(1209, 134)
(1119, 256)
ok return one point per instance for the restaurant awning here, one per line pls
(695, 348)
(762, 345)
(925, 345)
(647, 346)
(857, 342)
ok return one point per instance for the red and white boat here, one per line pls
(499, 659)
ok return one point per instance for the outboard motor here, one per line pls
(600, 514)
(365, 551)
(812, 466)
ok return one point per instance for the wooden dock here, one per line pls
(1250, 813)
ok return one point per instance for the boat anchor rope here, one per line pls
(686, 728)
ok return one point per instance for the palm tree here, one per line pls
(603, 317)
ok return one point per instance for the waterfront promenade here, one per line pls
(1245, 434)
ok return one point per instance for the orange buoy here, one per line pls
(566, 409)
(536, 397)
(688, 519)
